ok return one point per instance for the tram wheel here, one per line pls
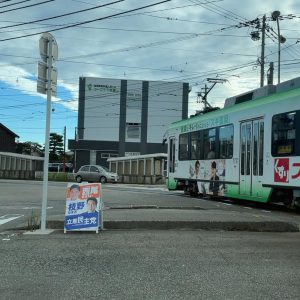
(193, 189)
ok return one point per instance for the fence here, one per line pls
(141, 169)
(19, 166)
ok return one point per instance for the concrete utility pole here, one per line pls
(270, 73)
(275, 17)
(255, 36)
(262, 57)
(65, 133)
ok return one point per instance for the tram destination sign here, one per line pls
(198, 125)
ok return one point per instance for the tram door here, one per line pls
(171, 163)
(251, 157)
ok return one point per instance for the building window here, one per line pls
(133, 131)
(134, 100)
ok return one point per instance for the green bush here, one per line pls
(58, 176)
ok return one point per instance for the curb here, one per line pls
(202, 225)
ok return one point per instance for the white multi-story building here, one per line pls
(125, 117)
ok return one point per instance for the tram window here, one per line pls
(226, 141)
(284, 134)
(195, 145)
(184, 146)
(209, 137)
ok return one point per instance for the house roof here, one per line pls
(8, 130)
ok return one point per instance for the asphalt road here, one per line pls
(151, 265)
(21, 200)
(143, 264)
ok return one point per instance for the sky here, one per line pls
(178, 40)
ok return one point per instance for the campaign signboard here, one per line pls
(83, 207)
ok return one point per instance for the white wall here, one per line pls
(102, 109)
(164, 108)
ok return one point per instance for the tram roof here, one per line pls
(281, 94)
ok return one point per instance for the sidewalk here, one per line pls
(150, 217)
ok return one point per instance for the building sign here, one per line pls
(83, 207)
(106, 88)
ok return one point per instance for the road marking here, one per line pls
(7, 218)
(25, 208)
(32, 207)
(36, 207)
(247, 207)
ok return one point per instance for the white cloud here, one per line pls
(219, 53)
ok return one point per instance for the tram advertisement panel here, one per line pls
(83, 207)
(212, 174)
(287, 171)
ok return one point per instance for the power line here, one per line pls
(23, 1)
(60, 16)
(89, 21)
(31, 5)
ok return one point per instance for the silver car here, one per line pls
(95, 173)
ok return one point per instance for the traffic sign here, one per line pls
(44, 46)
(42, 81)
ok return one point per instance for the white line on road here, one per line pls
(36, 207)
(7, 218)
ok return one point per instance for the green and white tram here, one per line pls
(248, 150)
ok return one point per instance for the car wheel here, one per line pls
(78, 179)
(103, 179)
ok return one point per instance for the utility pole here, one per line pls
(65, 132)
(270, 73)
(262, 57)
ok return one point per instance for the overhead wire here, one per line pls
(26, 6)
(62, 15)
(20, 2)
(88, 21)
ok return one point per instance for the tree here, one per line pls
(30, 148)
(56, 146)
